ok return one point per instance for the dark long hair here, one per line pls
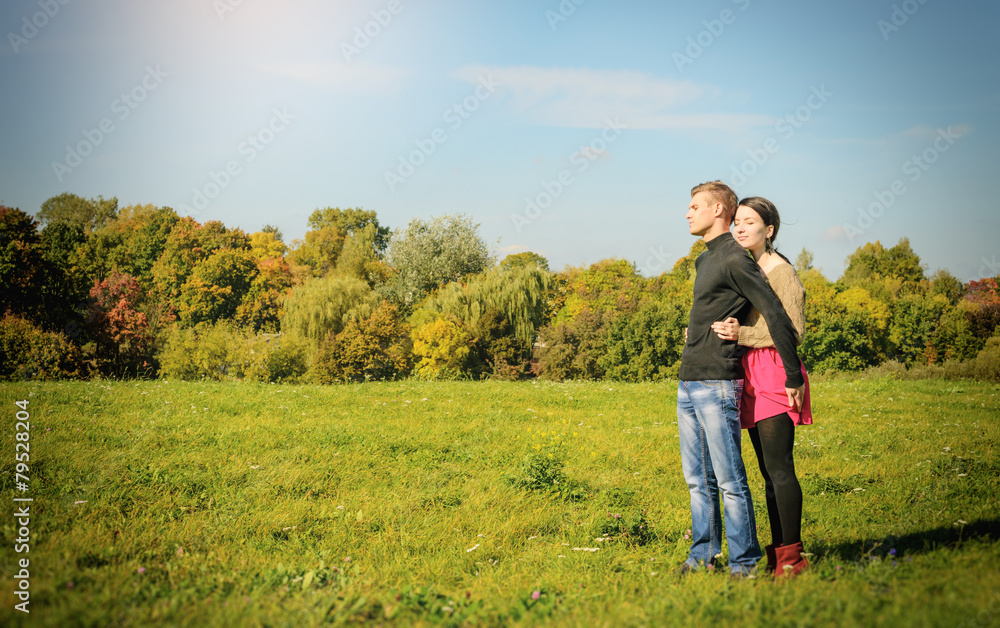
(769, 214)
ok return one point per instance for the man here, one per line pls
(728, 283)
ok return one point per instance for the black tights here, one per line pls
(772, 440)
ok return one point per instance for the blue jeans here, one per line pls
(708, 419)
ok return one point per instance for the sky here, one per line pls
(572, 128)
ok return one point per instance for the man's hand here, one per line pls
(728, 329)
(796, 397)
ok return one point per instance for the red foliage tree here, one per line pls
(122, 342)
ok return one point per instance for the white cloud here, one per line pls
(339, 76)
(835, 233)
(583, 98)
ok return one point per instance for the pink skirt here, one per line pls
(764, 390)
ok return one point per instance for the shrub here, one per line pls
(221, 351)
(573, 350)
(27, 352)
(543, 469)
(441, 348)
(646, 345)
(633, 529)
(375, 348)
(200, 352)
(272, 358)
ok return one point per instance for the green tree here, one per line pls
(804, 261)
(22, 272)
(217, 286)
(646, 345)
(948, 286)
(64, 287)
(360, 257)
(527, 258)
(872, 263)
(89, 214)
(329, 230)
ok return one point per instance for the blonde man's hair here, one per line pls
(720, 193)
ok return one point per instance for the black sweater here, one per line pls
(729, 283)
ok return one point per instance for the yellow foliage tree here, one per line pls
(441, 348)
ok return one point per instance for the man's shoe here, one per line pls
(743, 574)
(686, 568)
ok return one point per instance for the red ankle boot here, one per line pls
(790, 560)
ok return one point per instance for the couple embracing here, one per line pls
(740, 370)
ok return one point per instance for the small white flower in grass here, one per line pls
(947, 448)
(586, 549)
(961, 522)
(82, 501)
(474, 547)
(255, 466)
(532, 537)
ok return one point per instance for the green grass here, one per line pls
(417, 503)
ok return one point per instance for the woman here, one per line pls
(766, 412)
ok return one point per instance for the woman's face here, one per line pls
(749, 228)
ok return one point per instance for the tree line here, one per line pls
(93, 290)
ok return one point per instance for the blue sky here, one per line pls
(572, 128)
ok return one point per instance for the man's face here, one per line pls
(701, 213)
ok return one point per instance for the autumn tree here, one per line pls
(373, 348)
(329, 230)
(122, 344)
(217, 286)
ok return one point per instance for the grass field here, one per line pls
(161, 503)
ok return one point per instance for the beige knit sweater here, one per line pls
(792, 293)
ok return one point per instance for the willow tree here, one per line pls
(322, 306)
